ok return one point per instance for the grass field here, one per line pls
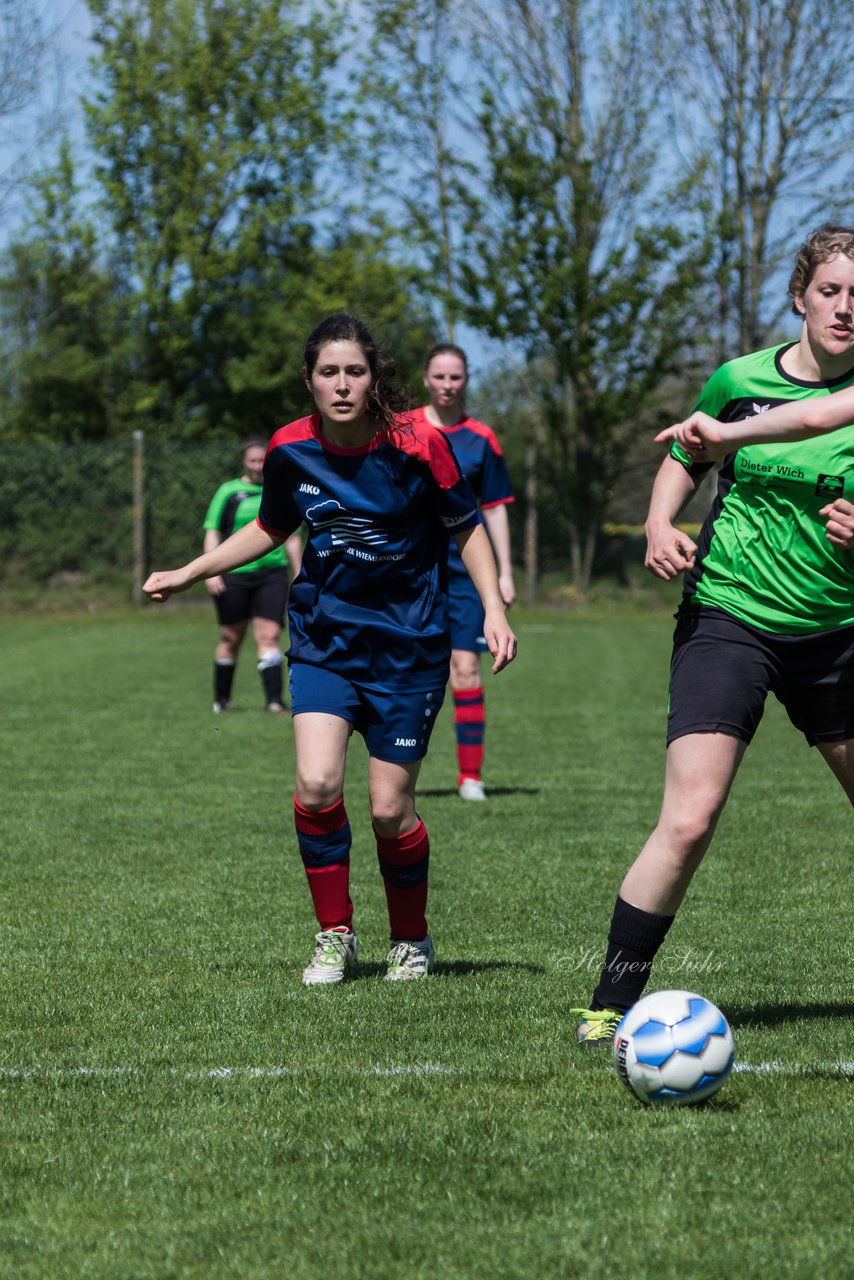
(176, 1105)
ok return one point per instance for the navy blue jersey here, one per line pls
(481, 461)
(371, 599)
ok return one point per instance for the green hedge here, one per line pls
(68, 509)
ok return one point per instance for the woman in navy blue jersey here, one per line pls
(378, 494)
(482, 463)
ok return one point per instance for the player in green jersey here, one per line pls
(768, 604)
(709, 439)
(256, 591)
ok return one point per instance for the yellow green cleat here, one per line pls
(598, 1026)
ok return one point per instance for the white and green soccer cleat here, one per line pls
(336, 954)
(598, 1026)
(410, 960)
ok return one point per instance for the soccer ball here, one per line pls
(674, 1047)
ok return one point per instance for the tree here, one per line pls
(28, 115)
(579, 261)
(416, 123)
(186, 313)
(765, 106)
(57, 303)
(209, 127)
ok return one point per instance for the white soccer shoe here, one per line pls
(410, 960)
(472, 789)
(336, 954)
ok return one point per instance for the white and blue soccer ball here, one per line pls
(673, 1047)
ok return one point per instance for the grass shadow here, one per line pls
(455, 968)
(774, 1015)
(491, 792)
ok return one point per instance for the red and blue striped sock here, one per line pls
(404, 862)
(324, 842)
(470, 725)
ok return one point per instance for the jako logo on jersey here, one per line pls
(405, 742)
(760, 408)
(309, 488)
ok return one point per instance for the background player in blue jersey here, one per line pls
(377, 495)
(768, 604)
(482, 463)
(256, 591)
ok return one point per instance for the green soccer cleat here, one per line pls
(598, 1026)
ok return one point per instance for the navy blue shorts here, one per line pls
(259, 593)
(396, 725)
(723, 669)
(466, 616)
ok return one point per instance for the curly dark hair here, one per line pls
(823, 244)
(385, 403)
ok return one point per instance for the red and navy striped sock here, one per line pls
(324, 842)
(470, 725)
(404, 861)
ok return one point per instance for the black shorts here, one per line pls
(722, 671)
(260, 593)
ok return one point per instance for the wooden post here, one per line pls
(138, 515)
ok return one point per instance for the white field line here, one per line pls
(837, 1068)
(219, 1073)
(795, 1068)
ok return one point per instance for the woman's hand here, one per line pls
(500, 639)
(669, 551)
(507, 587)
(160, 586)
(700, 435)
(840, 523)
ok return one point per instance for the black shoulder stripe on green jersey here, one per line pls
(743, 407)
(726, 479)
(229, 513)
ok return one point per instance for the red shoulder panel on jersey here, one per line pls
(303, 429)
(481, 429)
(427, 443)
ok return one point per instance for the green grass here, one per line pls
(176, 1105)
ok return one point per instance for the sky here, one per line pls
(72, 23)
(62, 76)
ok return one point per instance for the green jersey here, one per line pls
(763, 554)
(234, 505)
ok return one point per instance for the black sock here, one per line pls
(633, 942)
(223, 680)
(271, 678)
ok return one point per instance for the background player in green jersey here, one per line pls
(768, 602)
(256, 591)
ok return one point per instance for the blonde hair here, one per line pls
(824, 243)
